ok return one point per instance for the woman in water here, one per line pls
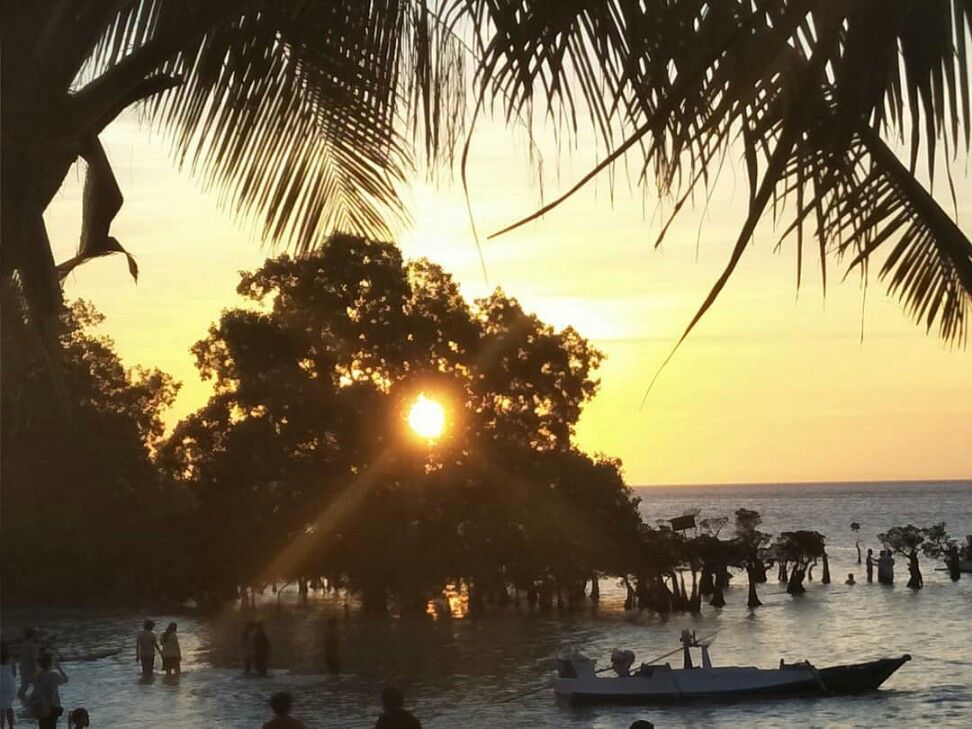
(8, 686)
(171, 653)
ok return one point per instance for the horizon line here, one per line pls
(860, 482)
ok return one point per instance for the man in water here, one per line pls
(395, 716)
(281, 703)
(29, 650)
(871, 562)
(145, 648)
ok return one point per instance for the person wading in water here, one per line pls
(145, 648)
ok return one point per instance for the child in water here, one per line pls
(282, 703)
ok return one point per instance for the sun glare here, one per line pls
(426, 417)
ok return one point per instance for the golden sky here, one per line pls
(775, 385)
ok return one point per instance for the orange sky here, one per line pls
(775, 385)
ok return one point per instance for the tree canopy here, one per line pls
(304, 439)
(83, 507)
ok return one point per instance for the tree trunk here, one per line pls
(595, 590)
(858, 545)
(781, 572)
(825, 579)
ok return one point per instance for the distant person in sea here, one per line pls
(886, 568)
(79, 719)
(332, 652)
(247, 646)
(914, 572)
(29, 651)
(871, 562)
(850, 579)
(282, 703)
(171, 652)
(261, 650)
(146, 646)
(45, 699)
(394, 715)
(8, 686)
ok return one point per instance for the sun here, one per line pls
(426, 417)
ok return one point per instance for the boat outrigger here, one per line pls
(578, 680)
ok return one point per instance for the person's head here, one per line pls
(870, 552)
(29, 633)
(171, 628)
(148, 624)
(4, 653)
(281, 703)
(45, 661)
(79, 719)
(392, 698)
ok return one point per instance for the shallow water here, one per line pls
(475, 671)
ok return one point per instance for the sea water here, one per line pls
(495, 670)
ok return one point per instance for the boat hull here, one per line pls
(668, 685)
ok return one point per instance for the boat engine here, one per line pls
(621, 661)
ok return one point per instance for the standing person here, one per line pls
(171, 653)
(395, 716)
(29, 650)
(281, 703)
(145, 648)
(261, 649)
(8, 686)
(870, 565)
(332, 652)
(248, 648)
(45, 700)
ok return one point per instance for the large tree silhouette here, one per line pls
(302, 466)
(307, 113)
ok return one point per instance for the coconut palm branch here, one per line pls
(299, 112)
(308, 114)
(808, 93)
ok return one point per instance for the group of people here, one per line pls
(393, 716)
(167, 647)
(40, 677)
(884, 564)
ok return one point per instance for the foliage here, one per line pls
(84, 514)
(310, 115)
(303, 447)
(903, 539)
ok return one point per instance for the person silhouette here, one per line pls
(871, 562)
(261, 650)
(332, 652)
(394, 715)
(282, 702)
(146, 646)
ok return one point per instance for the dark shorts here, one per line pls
(148, 664)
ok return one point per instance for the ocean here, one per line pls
(495, 670)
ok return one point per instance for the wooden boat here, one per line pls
(579, 682)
